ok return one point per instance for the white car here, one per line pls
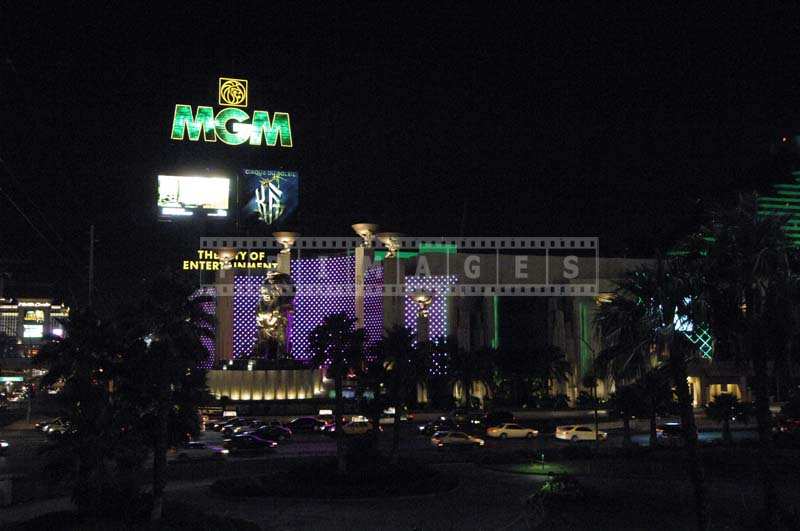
(197, 450)
(579, 433)
(511, 431)
(442, 439)
(356, 427)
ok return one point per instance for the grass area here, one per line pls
(322, 481)
(536, 469)
(177, 517)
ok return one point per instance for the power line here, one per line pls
(33, 225)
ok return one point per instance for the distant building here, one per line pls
(30, 321)
(483, 297)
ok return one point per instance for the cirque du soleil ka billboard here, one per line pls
(271, 196)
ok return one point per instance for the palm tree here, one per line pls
(371, 375)
(724, 408)
(337, 345)
(642, 321)
(624, 404)
(405, 366)
(750, 273)
(657, 398)
(552, 366)
(87, 361)
(161, 375)
(464, 366)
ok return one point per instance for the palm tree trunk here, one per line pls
(466, 384)
(653, 432)
(695, 467)
(626, 430)
(726, 431)
(764, 421)
(396, 434)
(159, 463)
(341, 461)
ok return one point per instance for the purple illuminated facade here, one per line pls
(317, 281)
(373, 304)
(437, 313)
(245, 302)
(209, 307)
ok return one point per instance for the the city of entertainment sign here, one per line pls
(479, 266)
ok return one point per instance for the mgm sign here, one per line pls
(231, 124)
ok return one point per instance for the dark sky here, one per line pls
(440, 120)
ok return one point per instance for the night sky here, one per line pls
(623, 124)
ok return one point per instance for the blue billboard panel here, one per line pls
(270, 197)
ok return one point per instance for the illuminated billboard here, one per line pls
(230, 124)
(270, 196)
(181, 195)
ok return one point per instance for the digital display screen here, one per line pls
(29, 330)
(180, 195)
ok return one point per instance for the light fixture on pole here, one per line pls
(392, 242)
(366, 231)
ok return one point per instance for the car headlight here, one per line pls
(3, 444)
(224, 451)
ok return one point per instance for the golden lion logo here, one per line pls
(233, 92)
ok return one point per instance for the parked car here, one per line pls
(579, 433)
(197, 450)
(459, 415)
(440, 424)
(56, 428)
(3, 447)
(42, 426)
(387, 417)
(511, 431)
(786, 430)
(274, 433)
(496, 418)
(306, 425)
(244, 428)
(459, 439)
(219, 423)
(355, 427)
(248, 442)
(227, 429)
(670, 434)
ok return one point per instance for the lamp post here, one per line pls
(424, 301)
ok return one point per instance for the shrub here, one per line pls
(558, 491)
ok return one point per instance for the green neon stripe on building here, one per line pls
(496, 318)
(381, 254)
(586, 355)
(442, 248)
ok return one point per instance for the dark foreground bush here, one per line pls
(321, 480)
(177, 517)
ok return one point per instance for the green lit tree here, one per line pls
(339, 347)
